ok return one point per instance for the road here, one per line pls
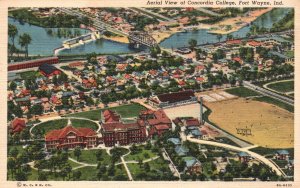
(286, 93)
(145, 11)
(268, 93)
(208, 11)
(261, 158)
(238, 141)
(126, 167)
(171, 165)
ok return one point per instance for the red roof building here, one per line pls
(123, 134)
(114, 131)
(254, 43)
(32, 63)
(17, 125)
(234, 42)
(70, 137)
(156, 121)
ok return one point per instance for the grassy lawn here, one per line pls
(19, 148)
(282, 86)
(268, 151)
(242, 92)
(88, 173)
(275, 102)
(143, 154)
(126, 111)
(158, 166)
(89, 156)
(61, 123)
(226, 140)
(29, 74)
(73, 164)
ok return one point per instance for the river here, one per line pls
(203, 36)
(44, 44)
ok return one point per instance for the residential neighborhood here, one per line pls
(174, 94)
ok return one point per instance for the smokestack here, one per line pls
(201, 111)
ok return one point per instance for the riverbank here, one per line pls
(237, 23)
(119, 39)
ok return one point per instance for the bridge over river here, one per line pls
(136, 38)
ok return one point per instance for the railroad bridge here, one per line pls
(137, 38)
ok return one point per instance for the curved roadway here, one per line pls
(253, 154)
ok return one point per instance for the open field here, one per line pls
(275, 102)
(126, 111)
(271, 126)
(190, 110)
(157, 170)
(143, 154)
(282, 86)
(89, 156)
(242, 92)
(61, 123)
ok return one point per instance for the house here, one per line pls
(175, 141)
(192, 165)
(17, 125)
(48, 70)
(192, 122)
(181, 150)
(281, 155)
(194, 131)
(235, 42)
(243, 157)
(173, 99)
(70, 137)
(238, 59)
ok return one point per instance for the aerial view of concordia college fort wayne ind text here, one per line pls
(150, 94)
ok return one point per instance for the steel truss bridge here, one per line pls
(136, 38)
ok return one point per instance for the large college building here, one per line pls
(71, 137)
(114, 131)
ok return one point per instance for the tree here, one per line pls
(192, 43)
(99, 155)
(24, 41)
(11, 165)
(63, 173)
(140, 162)
(147, 167)
(14, 152)
(12, 86)
(12, 33)
(77, 152)
(36, 109)
(68, 169)
(42, 176)
(76, 175)
(21, 176)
